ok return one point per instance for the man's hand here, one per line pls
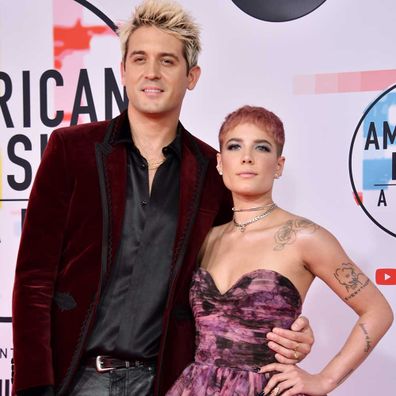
(292, 346)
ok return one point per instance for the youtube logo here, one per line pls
(385, 276)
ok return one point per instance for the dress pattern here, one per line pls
(231, 342)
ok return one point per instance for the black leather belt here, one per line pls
(107, 363)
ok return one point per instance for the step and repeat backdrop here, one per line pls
(327, 68)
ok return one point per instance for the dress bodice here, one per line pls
(232, 327)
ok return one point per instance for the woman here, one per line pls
(255, 273)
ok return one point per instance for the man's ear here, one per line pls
(193, 77)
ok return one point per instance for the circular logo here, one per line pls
(372, 161)
(278, 10)
(98, 13)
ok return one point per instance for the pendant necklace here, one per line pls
(154, 164)
(242, 226)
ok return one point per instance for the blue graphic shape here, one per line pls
(379, 113)
(376, 171)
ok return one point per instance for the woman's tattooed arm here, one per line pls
(351, 278)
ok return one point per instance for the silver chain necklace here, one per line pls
(242, 226)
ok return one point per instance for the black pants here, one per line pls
(120, 382)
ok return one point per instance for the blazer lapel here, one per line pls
(192, 177)
(112, 170)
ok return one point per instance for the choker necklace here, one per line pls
(242, 226)
(234, 209)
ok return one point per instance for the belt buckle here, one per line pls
(99, 365)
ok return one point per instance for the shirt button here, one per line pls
(143, 203)
(143, 165)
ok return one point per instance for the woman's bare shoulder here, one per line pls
(210, 240)
(291, 228)
(311, 239)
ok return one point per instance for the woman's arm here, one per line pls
(325, 258)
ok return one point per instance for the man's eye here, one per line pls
(167, 61)
(138, 59)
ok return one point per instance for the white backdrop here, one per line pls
(319, 73)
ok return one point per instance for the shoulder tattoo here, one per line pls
(287, 234)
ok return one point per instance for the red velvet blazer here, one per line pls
(69, 241)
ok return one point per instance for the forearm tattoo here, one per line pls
(287, 234)
(366, 337)
(353, 280)
(345, 377)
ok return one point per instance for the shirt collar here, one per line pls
(125, 137)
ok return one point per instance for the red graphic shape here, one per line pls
(385, 276)
(75, 38)
(360, 195)
(358, 81)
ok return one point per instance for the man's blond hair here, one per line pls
(170, 17)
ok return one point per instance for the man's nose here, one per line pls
(152, 71)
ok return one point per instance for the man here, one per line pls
(115, 221)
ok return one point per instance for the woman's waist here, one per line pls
(240, 355)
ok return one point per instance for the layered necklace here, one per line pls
(242, 226)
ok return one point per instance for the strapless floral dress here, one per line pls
(231, 328)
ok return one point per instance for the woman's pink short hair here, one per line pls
(259, 116)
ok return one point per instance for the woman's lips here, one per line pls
(247, 175)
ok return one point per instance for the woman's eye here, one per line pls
(233, 146)
(263, 148)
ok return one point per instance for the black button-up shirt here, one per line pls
(129, 317)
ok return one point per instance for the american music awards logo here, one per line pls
(372, 161)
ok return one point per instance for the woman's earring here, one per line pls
(277, 176)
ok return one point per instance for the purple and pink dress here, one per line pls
(231, 332)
